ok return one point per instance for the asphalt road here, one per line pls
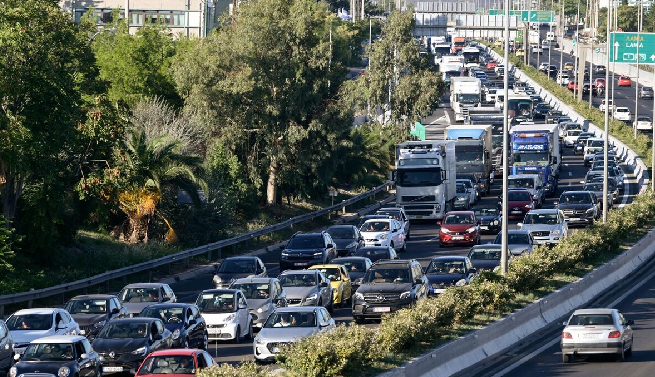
(423, 246)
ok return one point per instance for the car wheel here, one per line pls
(628, 353)
(621, 356)
(205, 342)
(330, 308)
(404, 248)
(99, 372)
(185, 343)
(237, 338)
(249, 335)
(358, 320)
(567, 358)
(408, 232)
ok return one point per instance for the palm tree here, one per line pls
(151, 166)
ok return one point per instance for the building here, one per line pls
(191, 18)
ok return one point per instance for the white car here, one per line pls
(226, 314)
(563, 79)
(27, 325)
(612, 107)
(543, 66)
(643, 123)
(622, 113)
(547, 226)
(473, 196)
(499, 67)
(571, 137)
(383, 232)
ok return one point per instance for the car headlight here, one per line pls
(445, 230)
(383, 236)
(259, 340)
(13, 372)
(460, 283)
(140, 351)
(495, 222)
(176, 334)
(351, 246)
(260, 309)
(528, 206)
(318, 255)
(311, 297)
(470, 230)
(405, 295)
(230, 318)
(556, 232)
(460, 199)
(217, 279)
(590, 211)
(100, 324)
(285, 254)
(63, 372)
(359, 296)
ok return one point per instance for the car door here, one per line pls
(157, 328)
(6, 347)
(242, 313)
(170, 293)
(261, 269)
(280, 297)
(324, 288)
(627, 331)
(392, 253)
(397, 234)
(419, 288)
(85, 364)
(72, 327)
(60, 327)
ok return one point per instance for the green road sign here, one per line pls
(623, 48)
(575, 43)
(418, 130)
(519, 36)
(527, 15)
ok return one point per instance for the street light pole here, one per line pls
(577, 49)
(607, 116)
(503, 257)
(561, 46)
(640, 11)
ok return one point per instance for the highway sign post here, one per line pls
(625, 48)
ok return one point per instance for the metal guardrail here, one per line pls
(182, 255)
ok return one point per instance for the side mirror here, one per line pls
(84, 356)
(478, 222)
(323, 284)
(564, 323)
(418, 281)
(556, 202)
(16, 357)
(329, 246)
(192, 322)
(282, 247)
(473, 271)
(260, 271)
(439, 222)
(631, 322)
(243, 306)
(582, 182)
(115, 311)
(157, 337)
(519, 224)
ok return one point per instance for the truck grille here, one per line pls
(419, 206)
(418, 213)
(418, 198)
(294, 301)
(378, 298)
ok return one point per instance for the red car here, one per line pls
(459, 227)
(491, 64)
(175, 362)
(599, 82)
(624, 81)
(519, 202)
(573, 86)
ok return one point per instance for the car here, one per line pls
(397, 213)
(175, 362)
(520, 52)
(365, 218)
(643, 123)
(568, 126)
(519, 241)
(592, 146)
(234, 268)
(580, 143)
(375, 253)
(307, 249)
(491, 64)
(543, 67)
(480, 184)
(307, 288)
(600, 70)
(519, 202)
(486, 257)
(597, 189)
(597, 331)
(553, 116)
(459, 227)
(449, 271)
(563, 79)
(546, 226)
(339, 281)
(622, 113)
(579, 207)
(570, 137)
(462, 197)
(599, 82)
(58, 355)
(568, 66)
(545, 45)
(531, 182)
(611, 106)
(92, 312)
(645, 92)
(383, 232)
(6, 348)
(124, 343)
(612, 187)
(137, 296)
(347, 239)
(187, 326)
(624, 81)
(572, 85)
(388, 286)
(356, 267)
(26, 325)
(490, 219)
(540, 111)
(263, 295)
(536, 49)
(614, 172)
(287, 325)
(226, 314)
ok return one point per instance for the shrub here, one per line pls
(246, 369)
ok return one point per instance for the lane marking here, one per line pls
(448, 117)
(570, 174)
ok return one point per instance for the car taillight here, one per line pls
(567, 335)
(614, 334)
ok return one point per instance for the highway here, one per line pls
(423, 246)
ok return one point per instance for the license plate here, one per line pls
(484, 227)
(300, 264)
(112, 369)
(574, 218)
(438, 290)
(419, 217)
(590, 336)
(214, 331)
(516, 212)
(384, 309)
(458, 237)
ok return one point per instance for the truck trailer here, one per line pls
(473, 147)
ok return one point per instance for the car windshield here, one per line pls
(342, 233)
(168, 365)
(541, 218)
(486, 212)
(370, 217)
(594, 187)
(520, 183)
(460, 189)
(518, 196)
(139, 295)
(622, 110)
(591, 319)
(306, 242)
(168, 315)
(49, 352)
(373, 252)
(485, 254)
(375, 226)
(291, 319)
(87, 307)
(514, 239)
(387, 275)
(30, 322)
(253, 291)
(332, 273)
(131, 330)
(458, 219)
(237, 266)
(573, 132)
(575, 199)
(465, 182)
(298, 280)
(595, 143)
(443, 267)
(352, 265)
(216, 302)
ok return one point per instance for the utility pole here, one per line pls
(560, 31)
(577, 51)
(607, 118)
(503, 248)
(640, 12)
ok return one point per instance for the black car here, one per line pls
(123, 343)
(184, 321)
(540, 111)
(553, 116)
(486, 257)
(235, 268)
(448, 271)
(307, 249)
(6, 348)
(599, 70)
(375, 253)
(579, 207)
(387, 287)
(489, 218)
(92, 312)
(357, 267)
(347, 239)
(58, 355)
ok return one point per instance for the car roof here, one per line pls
(254, 280)
(295, 309)
(487, 246)
(134, 320)
(450, 257)
(340, 227)
(575, 192)
(223, 290)
(352, 258)
(315, 234)
(36, 311)
(376, 220)
(94, 297)
(517, 231)
(519, 189)
(523, 176)
(170, 305)
(176, 352)
(145, 285)
(298, 272)
(544, 211)
(374, 248)
(460, 213)
(594, 311)
(59, 339)
(241, 258)
(319, 266)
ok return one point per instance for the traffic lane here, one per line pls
(639, 306)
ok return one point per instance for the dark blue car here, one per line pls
(183, 321)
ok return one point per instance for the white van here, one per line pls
(612, 107)
(550, 36)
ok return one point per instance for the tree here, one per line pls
(627, 18)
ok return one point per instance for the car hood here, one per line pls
(384, 288)
(254, 304)
(88, 319)
(445, 279)
(574, 206)
(26, 336)
(456, 227)
(174, 326)
(519, 203)
(44, 367)
(540, 227)
(136, 307)
(299, 292)
(485, 264)
(462, 195)
(485, 219)
(519, 248)
(303, 251)
(356, 275)
(118, 345)
(373, 234)
(214, 318)
(285, 334)
(344, 243)
(228, 277)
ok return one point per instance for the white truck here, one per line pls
(465, 92)
(425, 178)
(473, 147)
(451, 66)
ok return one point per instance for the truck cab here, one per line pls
(535, 150)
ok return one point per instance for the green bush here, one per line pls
(246, 369)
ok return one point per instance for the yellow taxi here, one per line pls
(339, 280)
(569, 66)
(520, 53)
